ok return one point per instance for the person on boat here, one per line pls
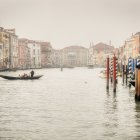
(32, 73)
(24, 75)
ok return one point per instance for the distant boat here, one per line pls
(90, 66)
(70, 66)
(8, 69)
(103, 74)
(20, 78)
(4, 69)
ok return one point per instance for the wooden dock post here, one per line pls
(136, 83)
(123, 73)
(111, 70)
(107, 86)
(126, 73)
(138, 94)
(114, 74)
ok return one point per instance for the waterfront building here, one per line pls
(91, 57)
(46, 54)
(132, 46)
(100, 52)
(24, 54)
(8, 48)
(74, 56)
(13, 49)
(57, 58)
(1, 55)
(35, 54)
(4, 48)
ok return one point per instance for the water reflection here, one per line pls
(137, 117)
(110, 115)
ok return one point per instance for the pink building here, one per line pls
(24, 54)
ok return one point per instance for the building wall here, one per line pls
(131, 47)
(1, 55)
(13, 51)
(24, 54)
(75, 56)
(9, 49)
(46, 54)
(100, 51)
(35, 53)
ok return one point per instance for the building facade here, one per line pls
(46, 54)
(24, 54)
(74, 56)
(35, 54)
(131, 47)
(8, 48)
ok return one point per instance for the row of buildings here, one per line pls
(16, 53)
(22, 53)
(130, 48)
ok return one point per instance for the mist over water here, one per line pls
(72, 104)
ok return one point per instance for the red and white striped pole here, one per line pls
(107, 86)
(114, 74)
(111, 70)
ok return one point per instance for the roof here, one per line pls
(101, 46)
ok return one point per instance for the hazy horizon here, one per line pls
(72, 22)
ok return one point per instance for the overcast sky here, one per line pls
(72, 22)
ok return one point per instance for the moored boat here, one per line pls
(20, 78)
(132, 82)
(103, 74)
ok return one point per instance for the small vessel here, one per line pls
(20, 78)
(132, 82)
(103, 74)
(90, 66)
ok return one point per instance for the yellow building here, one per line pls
(4, 51)
(8, 48)
(132, 46)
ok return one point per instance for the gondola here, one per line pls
(132, 82)
(21, 78)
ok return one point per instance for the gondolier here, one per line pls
(32, 73)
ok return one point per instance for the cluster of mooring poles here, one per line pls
(130, 73)
(112, 68)
(134, 75)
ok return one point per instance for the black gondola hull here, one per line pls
(132, 82)
(20, 78)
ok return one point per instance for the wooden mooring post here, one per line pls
(114, 74)
(123, 73)
(111, 70)
(126, 74)
(137, 84)
(107, 86)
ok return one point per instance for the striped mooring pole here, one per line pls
(114, 74)
(107, 86)
(111, 70)
(123, 71)
(130, 70)
(126, 73)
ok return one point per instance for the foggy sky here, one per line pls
(72, 22)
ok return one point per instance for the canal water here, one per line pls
(67, 105)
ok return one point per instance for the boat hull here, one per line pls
(132, 82)
(20, 78)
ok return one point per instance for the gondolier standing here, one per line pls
(32, 73)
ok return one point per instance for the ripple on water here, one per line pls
(67, 105)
